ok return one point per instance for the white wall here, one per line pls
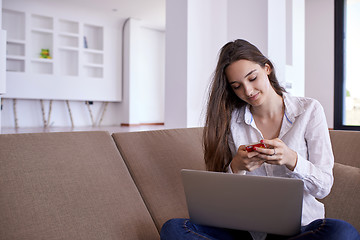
(311, 69)
(144, 62)
(295, 42)
(276, 27)
(176, 66)
(311, 72)
(276, 24)
(151, 91)
(249, 20)
(206, 35)
(196, 30)
(319, 54)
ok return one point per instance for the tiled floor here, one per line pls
(110, 129)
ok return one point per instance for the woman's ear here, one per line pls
(267, 69)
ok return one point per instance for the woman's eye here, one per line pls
(253, 79)
(236, 87)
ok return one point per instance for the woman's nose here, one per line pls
(248, 90)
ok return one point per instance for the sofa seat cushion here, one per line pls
(154, 159)
(343, 202)
(68, 186)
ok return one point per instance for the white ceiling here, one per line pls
(150, 11)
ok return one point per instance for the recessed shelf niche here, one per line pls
(41, 66)
(42, 22)
(94, 37)
(15, 65)
(15, 44)
(93, 57)
(15, 49)
(68, 41)
(68, 62)
(93, 71)
(10, 19)
(70, 27)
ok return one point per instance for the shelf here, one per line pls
(15, 65)
(16, 49)
(65, 34)
(93, 72)
(68, 62)
(68, 41)
(94, 37)
(42, 22)
(42, 30)
(40, 40)
(69, 48)
(68, 27)
(73, 72)
(71, 66)
(42, 60)
(15, 57)
(42, 67)
(93, 65)
(15, 41)
(87, 50)
(11, 18)
(93, 57)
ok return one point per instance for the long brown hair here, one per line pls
(222, 101)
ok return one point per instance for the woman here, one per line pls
(247, 105)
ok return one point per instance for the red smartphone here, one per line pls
(250, 147)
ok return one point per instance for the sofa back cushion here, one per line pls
(154, 159)
(68, 186)
(343, 201)
(344, 144)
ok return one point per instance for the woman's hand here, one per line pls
(277, 153)
(244, 160)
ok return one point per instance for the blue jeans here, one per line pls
(329, 229)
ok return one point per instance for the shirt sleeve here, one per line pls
(316, 169)
(241, 172)
(233, 152)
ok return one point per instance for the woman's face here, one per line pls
(249, 81)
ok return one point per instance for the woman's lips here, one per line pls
(254, 97)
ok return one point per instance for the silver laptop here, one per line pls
(244, 202)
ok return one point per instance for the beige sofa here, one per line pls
(93, 185)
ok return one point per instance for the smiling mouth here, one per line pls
(252, 98)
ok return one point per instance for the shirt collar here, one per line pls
(248, 117)
(293, 108)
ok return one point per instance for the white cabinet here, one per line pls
(74, 68)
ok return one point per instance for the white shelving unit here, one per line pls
(15, 44)
(93, 51)
(77, 58)
(69, 46)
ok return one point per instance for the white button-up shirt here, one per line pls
(304, 129)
